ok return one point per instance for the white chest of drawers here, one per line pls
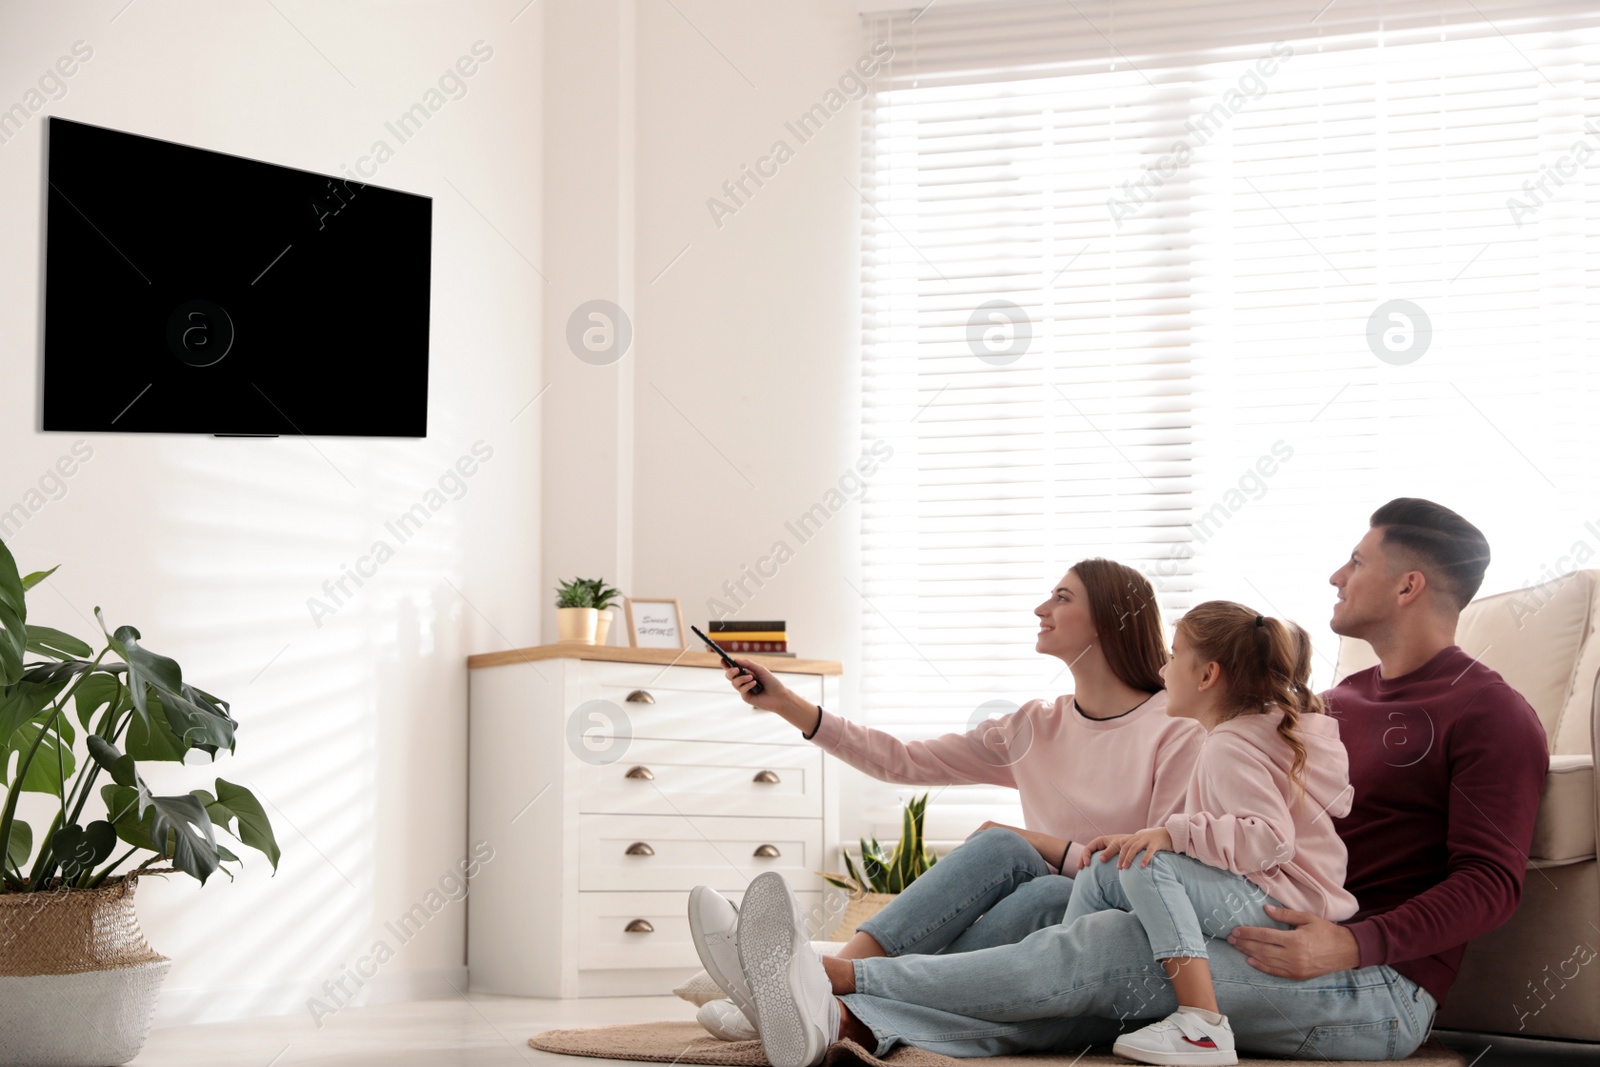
(610, 781)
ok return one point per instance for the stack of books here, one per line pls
(767, 637)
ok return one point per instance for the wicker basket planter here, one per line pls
(78, 982)
(862, 906)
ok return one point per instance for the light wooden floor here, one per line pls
(477, 1030)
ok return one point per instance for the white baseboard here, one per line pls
(215, 1004)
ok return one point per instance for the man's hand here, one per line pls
(1314, 947)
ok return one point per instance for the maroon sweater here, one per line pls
(1448, 763)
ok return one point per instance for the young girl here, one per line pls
(1256, 827)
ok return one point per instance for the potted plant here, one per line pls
(579, 607)
(603, 596)
(67, 928)
(882, 875)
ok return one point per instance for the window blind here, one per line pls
(1198, 287)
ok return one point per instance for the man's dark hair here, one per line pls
(1450, 551)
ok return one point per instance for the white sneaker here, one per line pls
(796, 1013)
(1181, 1038)
(713, 925)
(723, 1020)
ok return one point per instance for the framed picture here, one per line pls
(654, 623)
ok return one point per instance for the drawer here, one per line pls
(705, 778)
(669, 852)
(606, 943)
(707, 680)
(697, 714)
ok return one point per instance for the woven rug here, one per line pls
(687, 1042)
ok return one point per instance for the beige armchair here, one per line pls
(1538, 976)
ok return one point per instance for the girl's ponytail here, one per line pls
(1265, 661)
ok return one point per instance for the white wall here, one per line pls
(353, 732)
(742, 375)
(748, 363)
(669, 472)
(747, 371)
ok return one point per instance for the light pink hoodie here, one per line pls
(1237, 813)
(1078, 777)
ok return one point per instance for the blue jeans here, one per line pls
(995, 875)
(1064, 988)
(1179, 900)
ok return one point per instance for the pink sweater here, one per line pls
(1078, 777)
(1237, 815)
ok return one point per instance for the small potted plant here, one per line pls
(583, 611)
(882, 875)
(68, 933)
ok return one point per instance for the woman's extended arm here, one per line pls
(980, 756)
(795, 709)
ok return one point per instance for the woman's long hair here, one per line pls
(1122, 605)
(1262, 664)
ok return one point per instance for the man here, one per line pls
(1447, 762)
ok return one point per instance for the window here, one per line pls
(1197, 288)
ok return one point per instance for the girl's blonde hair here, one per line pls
(1264, 661)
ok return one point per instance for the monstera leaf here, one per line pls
(53, 761)
(198, 718)
(119, 766)
(99, 691)
(48, 641)
(20, 845)
(236, 802)
(122, 811)
(150, 738)
(14, 638)
(83, 848)
(13, 619)
(176, 827)
(23, 701)
(183, 826)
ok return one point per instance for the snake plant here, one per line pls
(891, 872)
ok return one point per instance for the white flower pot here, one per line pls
(88, 1019)
(78, 981)
(603, 626)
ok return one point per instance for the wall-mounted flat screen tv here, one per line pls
(189, 291)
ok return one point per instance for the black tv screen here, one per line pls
(188, 291)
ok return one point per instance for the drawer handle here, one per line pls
(641, 772)
(639, 848)
(639, 926)
(766, 777)
(767, 852)
(639, 696)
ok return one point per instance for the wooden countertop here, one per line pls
(660, 656)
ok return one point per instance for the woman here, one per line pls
(1105, 759)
